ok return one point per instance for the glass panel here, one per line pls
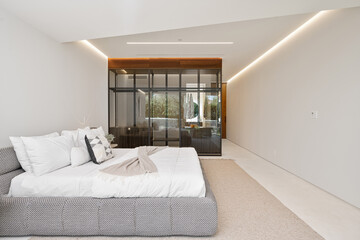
(174, 144)
(173, 80)
(141, 108)
(209, 109)
(111, 79)
(124, 103)
(158, 81)
(203, 135)
(189, 79)
(125, 81)
(124, 109)
(190, 109)
(111, 99)
(165, 118)
(141, 131)
(127, 134)
(112, 108)
(158, 114)
(208, 78)
(142, 81)
(173, 119)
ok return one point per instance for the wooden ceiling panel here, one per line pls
(165, 63)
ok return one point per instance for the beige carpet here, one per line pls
(246, 210)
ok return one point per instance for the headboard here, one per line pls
(9, 168)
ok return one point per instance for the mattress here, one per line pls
(179, 175)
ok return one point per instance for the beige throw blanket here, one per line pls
(135, 166)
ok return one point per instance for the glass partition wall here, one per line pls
(179, 108)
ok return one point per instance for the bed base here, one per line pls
(84, 216)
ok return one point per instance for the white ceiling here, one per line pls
(251, 39)
(71, 20)
(253, 25)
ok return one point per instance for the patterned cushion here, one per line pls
(99, 148)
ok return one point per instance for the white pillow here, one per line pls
(98, 131)
(79, 156)
(93, 132)
(21, 153)
(48, 154)
(74, 134)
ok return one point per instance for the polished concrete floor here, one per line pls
(328, 215)
(331, 217)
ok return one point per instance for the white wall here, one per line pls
(45, 85)
(269, 106)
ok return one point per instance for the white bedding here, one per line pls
(179, 175)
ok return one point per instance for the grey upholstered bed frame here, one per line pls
(83, 216)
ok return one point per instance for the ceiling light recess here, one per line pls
(179, 43)
(87, 43)
(288, 37)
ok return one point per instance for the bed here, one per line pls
(161, 214)
(179, 175)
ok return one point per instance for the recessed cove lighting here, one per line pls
(288, 37)
(179, 43)
(87, 43)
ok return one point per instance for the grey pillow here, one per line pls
(99, 148)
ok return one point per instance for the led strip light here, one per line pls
(87, 43)
(179, 43)
(307, 23)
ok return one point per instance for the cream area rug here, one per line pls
(247, 211)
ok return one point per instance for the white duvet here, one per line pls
(179, 175)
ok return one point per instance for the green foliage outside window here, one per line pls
(158, 103)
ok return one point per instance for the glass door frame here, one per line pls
(150, 89)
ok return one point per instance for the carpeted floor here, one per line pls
(246, 210)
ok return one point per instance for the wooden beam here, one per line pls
(165, 63)
(223, 110)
